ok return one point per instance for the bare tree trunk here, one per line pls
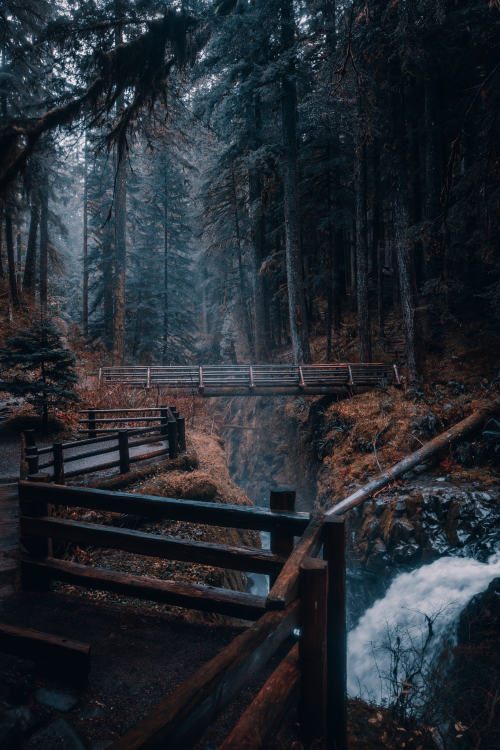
(19, 258)
(108, 275)
(260, 332)
(2, 272)
(365, 347)
(120, 234)
(165, 265)
(120, 260)
(250, 331)
(295, 281)
(333, 297)
(85, 280)
(29, 280)
(380, 292)
(431, 181)
(402, 238)
(44, 241)
(11, 263)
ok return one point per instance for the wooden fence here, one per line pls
(95, 422)
(306, 603)
(168, 430)
(213, 380)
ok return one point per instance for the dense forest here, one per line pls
(234, 181)
(249, 257)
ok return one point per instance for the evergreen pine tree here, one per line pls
(37, 366)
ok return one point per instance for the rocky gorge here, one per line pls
(432, 536)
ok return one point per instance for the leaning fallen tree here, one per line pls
(472, 423)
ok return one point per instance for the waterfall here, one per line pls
(259, 582)
(439, 590)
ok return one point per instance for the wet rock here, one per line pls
(58, 734)
(14, 723)
(58, 699)
(423, 522)
(474, 675)
(402, 530)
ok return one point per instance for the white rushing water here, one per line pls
(259, 583)
(441, 589)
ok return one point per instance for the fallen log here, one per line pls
(455, 433)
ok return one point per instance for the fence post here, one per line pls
(334, 554)
(27, 442)
(57, 450)
(312, 649)
(181, 430)
(163, 420)
(91, 424)
(36, 547)
(172, 438)
(124, 451)
(31, 451)
(281, 500)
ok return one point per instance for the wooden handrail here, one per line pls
(220, 379)
(180, 719)
(158, 508)
(246, 559)
(259, 723)
(286, 586)
(189, 595)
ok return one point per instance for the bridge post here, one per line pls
(124, 451)
(31, 453)
(91, 424)
(36, 547)
(172, 438)
(163, 420)
(334, 554)
(181, 429)
(313, 649)
(57, 450)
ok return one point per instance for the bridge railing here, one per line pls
(306, 604)
(250, 377)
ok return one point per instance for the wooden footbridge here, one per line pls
(257, 380)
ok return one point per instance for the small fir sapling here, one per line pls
(36, 365)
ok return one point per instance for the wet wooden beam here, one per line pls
(157, 508)
(312, 649)
(154, 545)
(56, 653)
(180, 719)
(286, 587)
(269, 709)
(191, 596)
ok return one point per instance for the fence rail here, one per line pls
(306, 600)
(313, 666)
(255, 379)
(169, 433)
